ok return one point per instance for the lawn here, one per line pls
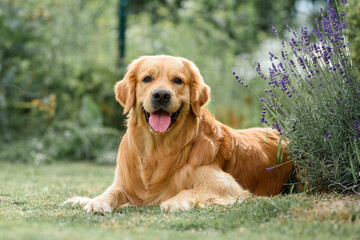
(31, 197)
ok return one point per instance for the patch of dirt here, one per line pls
(331, 202)
(345, 208)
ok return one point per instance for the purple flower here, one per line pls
(356, 126)
(294, 44)
(318, 31)
(276, 126)
(272, 56)
(271, 168)
(288, 28)
(239, 79)
(349, 80)
(275, 32)
(283, 55)
(258, 70)
(304, 36)
(300, 60)
(328, 135)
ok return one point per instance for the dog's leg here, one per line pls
(110, 200)
(212, 186)
(113, 198)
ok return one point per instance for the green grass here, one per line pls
(31, 197)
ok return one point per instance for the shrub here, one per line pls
(353, 31)
(52, 54)
(65, 141)
(313, 100)
(22, 51)
(57, 72)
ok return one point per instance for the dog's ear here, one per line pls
(125, 89)
(200, 92)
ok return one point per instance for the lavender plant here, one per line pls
(313, 100)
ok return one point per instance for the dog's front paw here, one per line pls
(98, 206)
(174, 205)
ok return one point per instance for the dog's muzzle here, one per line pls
(161, 121)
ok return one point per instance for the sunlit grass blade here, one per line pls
(357, 152)
(266, 137)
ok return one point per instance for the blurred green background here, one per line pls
(59, 61)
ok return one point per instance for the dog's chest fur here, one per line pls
(163, 174)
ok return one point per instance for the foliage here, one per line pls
(353, 31)
(216, 20)
(57, 72)
(50, 62)
(31, 209)
(314, 101)
(61, 140)
(21, 52)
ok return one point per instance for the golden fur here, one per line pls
(198, 161)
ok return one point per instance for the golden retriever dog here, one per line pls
(174, 153)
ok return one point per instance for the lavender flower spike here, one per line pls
(271, 168)
(275, 31)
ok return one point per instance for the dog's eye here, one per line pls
(147, 79)
(178, 81)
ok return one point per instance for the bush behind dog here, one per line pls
(313, 100)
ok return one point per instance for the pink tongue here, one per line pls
(160, 122)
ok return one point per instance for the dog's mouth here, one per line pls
(161, 121)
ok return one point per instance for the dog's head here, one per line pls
(164, 89)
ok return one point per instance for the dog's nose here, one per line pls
(161, 96)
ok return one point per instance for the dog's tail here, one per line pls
(82, 201)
